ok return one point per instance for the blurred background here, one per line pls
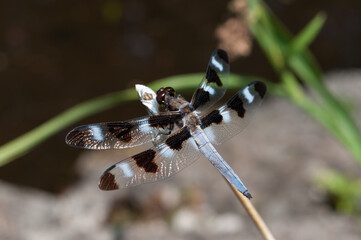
(55, 54)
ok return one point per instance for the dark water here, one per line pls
(55, 54)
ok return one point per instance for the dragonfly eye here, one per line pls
(170, 91)
(164, 91)
(160, 95)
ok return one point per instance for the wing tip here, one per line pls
(73, 138)
(260, 88)
(222, 54)
(107, 181)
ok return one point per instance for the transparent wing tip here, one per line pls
(221, 54)
(259, 87)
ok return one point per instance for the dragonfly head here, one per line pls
(163, 95)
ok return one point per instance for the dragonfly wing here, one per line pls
(164, 160)
(126, 134)
(214, 84)
(230, 119)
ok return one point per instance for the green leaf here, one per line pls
(308, 34)
(345, 191)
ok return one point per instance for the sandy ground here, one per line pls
(278, 157)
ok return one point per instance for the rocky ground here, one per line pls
(278, 156)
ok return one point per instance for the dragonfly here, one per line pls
(178, 132)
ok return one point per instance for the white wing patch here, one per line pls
(210, 89)
(225, 114)
(248, 95)
(145, 128)
(127, 171)
(97, 133)
(217, 64)
(166, 152)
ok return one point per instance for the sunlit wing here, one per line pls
(215, 82)
(164, 160)
(225, 122)
(125, 134)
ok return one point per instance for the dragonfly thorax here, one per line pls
(174, 103)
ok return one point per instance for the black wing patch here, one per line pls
(201, 97)
(236, 104)
(121, 130)
(176, 140)
(145, 160)
(210, 118)
(260, 88)
(107, 181)
(164, 120)
(212, 77)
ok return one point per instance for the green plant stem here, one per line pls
(289, 57)
(29, 140)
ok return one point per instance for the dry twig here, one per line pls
(252, 212)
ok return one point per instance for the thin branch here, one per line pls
(252, 212)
